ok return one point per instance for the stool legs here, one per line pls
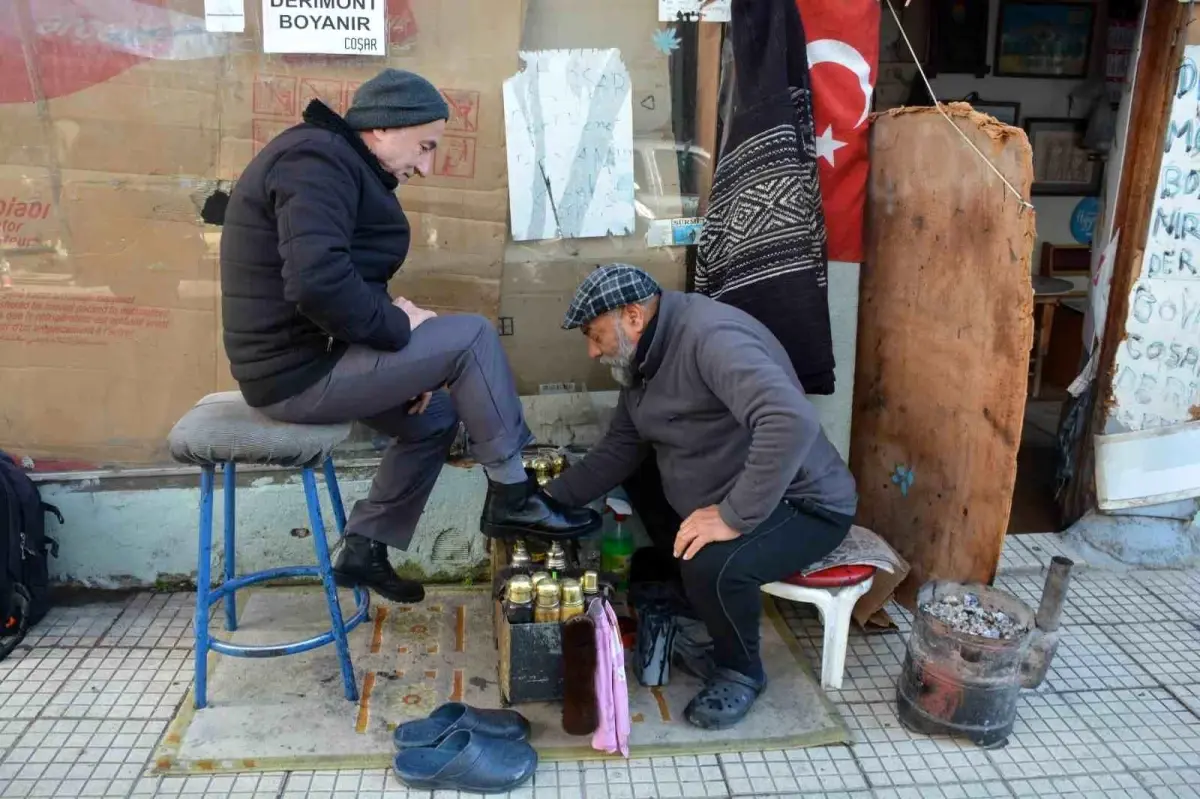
(326, 569)
(227, 494)
(206, 595)
(335, 496)
(203, 585)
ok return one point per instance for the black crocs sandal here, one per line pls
(724, 701)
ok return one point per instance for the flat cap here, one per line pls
(607, 288)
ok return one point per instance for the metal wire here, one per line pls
(937, 104)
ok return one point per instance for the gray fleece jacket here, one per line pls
(721, 408)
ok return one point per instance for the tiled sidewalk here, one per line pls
(82, 710)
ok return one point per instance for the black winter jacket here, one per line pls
(313, 233)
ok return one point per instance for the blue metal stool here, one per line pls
(222, 430)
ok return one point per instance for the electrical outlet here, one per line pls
(506, 325)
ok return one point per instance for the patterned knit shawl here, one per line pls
(762, 248)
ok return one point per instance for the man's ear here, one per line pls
(636, 316)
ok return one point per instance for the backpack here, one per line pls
(24, 546)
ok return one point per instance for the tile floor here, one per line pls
(83, 707)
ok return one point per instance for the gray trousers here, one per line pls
(461, 353)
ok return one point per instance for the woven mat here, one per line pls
(288, 713)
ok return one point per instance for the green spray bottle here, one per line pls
(616, 548)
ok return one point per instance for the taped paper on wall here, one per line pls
(569, 125)
(347, 27)
(674, 232)
(225, 16)
(694, 10)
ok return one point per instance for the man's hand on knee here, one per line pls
(703, 527)
(415, 315)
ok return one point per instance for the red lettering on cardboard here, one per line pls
(464, 110)
(275, 95)
(329, 92)
(401, 22)
(17, 214)
(455, 157)
(263, 130)
(76, 319)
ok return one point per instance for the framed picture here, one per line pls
(1043, 40)
(959, 35)
(1005, 112)
(1061, 165)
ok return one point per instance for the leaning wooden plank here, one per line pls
(945, 329)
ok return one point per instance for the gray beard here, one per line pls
(621, 364)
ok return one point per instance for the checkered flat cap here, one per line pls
(607, 288)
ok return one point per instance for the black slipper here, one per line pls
(724, 701)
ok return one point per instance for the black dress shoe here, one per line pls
(364, 562)
(524, 509)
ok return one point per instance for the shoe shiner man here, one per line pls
(312, 234)
(710, 394)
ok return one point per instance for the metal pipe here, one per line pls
(1044, 637)
(1054, 594)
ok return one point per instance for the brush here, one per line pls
(580, 714)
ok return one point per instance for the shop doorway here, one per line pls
(1058, 71)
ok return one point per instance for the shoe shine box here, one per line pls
(531, 662)
(531, 656)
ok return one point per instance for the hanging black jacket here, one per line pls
(312, 234)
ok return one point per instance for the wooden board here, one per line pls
(945, 329)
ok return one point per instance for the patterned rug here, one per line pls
(289, 713)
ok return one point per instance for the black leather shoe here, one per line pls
(524, 509)
(364, 562)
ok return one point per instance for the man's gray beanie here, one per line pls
(396, 99)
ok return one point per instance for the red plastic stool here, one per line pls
(834, 592)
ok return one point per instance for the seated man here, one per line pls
(711, 395)
(312, 234)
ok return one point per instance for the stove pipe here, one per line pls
(1045, 635)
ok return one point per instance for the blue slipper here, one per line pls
(467, 761)
(508, 725)
(724, 701)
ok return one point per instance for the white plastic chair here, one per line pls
(834, 592)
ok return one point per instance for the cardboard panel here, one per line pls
(539, 281)
(118, 121)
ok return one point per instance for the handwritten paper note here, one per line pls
(694, 10)
(225, 16)
(1158, 364)
(569, 124)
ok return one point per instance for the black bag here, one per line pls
(24, 546)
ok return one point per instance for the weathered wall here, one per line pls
(944, 337)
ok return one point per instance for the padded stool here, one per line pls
(835, 592)
(222, 430)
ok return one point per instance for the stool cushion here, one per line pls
(222, 428)
(837, 577)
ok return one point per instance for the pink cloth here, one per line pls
(612, 691)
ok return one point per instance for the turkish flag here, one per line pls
(843, 58)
